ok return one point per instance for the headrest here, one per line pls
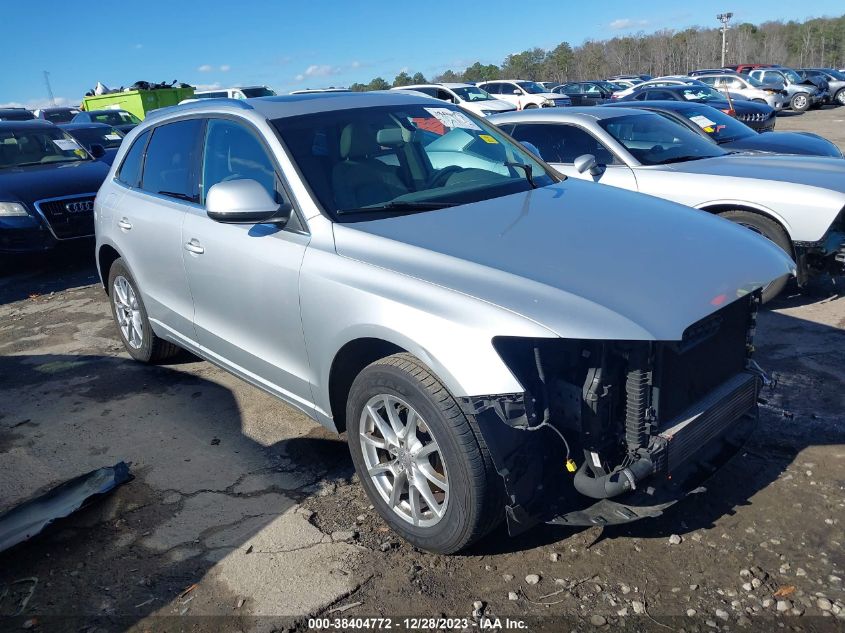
(357, 141)
(392, 137)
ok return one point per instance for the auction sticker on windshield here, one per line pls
(452, 119)
(113, 137)
(66, 145)
(702, 121)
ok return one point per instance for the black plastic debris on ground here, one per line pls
(30, 517)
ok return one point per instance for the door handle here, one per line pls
(124, 224)
(194, 247)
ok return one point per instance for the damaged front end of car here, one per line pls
(613, 431)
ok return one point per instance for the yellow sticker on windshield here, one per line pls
(488, 139)
(709, 129)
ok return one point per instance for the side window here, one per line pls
(443, 95)
(493, 89)
(659, 95)
(170, 167)
(130, 169)
(428, 91)
(232, 152)
(562, 143)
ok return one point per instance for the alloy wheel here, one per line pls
(800, 102)
(404, 460)
(128, 312)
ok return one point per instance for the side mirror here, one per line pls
(517, 91)
(588, 162)
(244, 202)
(97, 150)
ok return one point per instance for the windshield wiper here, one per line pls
(527, 169)
(399, 206)
(680, 159)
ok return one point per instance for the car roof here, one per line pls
(8, 125)
(84, 126)
(662, 104)
(596, 113)
(284, 106)
(103, 110)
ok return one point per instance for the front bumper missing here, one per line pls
(686, 453)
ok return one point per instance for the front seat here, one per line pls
(359, 180)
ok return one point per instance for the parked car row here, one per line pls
(502, 337)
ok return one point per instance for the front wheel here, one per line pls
(130, 315)
(773, 232)
(840, 97)
(800, 102)
(530, 106)
(421, 461)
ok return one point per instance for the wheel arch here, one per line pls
(718, 207)
(106, 256)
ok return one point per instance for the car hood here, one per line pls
(495, 104)
(28, 184)
(786, 143)
(814, 171)
(581, 259)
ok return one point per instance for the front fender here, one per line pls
(346, 300)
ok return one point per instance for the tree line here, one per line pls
(816, 42)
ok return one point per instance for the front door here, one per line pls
(245, 278)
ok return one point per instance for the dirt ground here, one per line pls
(244, 515)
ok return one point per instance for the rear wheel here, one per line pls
(421, 461)
(130, 315)
(800, 102)
(773, 232)
(530, 106)
(840, 97)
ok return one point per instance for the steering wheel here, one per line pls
(656, 149)
(441, 177)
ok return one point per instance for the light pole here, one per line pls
(725, 19)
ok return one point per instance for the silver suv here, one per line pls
(771, 94)
(495, 341)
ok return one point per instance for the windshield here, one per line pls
(754, 81)
(531, 87)
(610, 86)
(654, 140)
(472, 94)
(16, 115)
(60, 116)
(719, 126)
(115, 117)
(38, 146)
(362, 163)
(261, 91)
(108, 137)
(701, 93)
(791, 75)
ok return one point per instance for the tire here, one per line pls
(530, 106)
(773, 232)
(126, 305)
(800, 102)
(473, 504)
(840, 97)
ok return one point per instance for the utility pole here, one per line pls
(49, 89)
(725, 19)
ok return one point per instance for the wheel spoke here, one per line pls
(372, 440)
(398, 487)
(381, 468)
(426, 450)
(409, 433)
(414, 500)
(384, 428)
(393, 416)
(428, 497)
(433, 476)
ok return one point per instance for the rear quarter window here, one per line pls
(130, 169)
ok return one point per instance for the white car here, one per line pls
(797, 202)
(524, 94)
(244, 92)
(466, 96)
(750, 88)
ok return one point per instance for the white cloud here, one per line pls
(299, 77)
(205, 68)
(225, 68)
(34, 104)
(355, 64)
(622, 24)
(139, 46)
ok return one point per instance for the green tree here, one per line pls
(559, 62)
(378, 84)
(481, 72)
(356, 87)
(525, 65)
(450, 76)
(402, 79)
(419, 78)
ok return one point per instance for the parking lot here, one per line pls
(243, 509)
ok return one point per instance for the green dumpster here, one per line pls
(138, 102)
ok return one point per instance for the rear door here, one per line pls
(245, 278)
(159, 174)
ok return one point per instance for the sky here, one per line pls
(315, 43)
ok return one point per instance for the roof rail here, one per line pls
(200, 103)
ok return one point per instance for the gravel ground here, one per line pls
(244, 515)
